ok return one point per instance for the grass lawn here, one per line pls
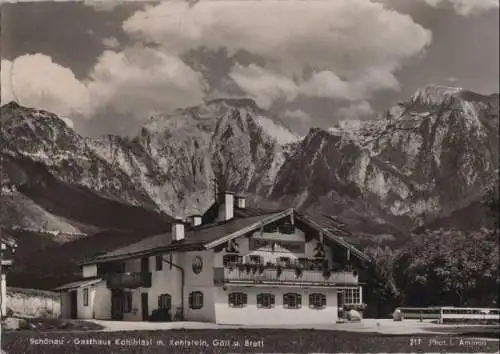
(238, 341)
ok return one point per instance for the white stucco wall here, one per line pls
(164, 281)
(276, 315)
(3, 290)
(99, 304)
(203, 282)
(89, 270)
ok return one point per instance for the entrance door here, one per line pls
(340, 303)
(117, 305)
(145, 306)
(73, 303)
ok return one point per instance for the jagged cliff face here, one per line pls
(33, 137)
(422, 159)
(176, 157)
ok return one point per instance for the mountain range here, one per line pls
(427, 161)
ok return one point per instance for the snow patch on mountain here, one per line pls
(434, 94)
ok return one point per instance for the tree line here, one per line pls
(438, 267)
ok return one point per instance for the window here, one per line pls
(317, 301)
(164, 301)
(127, 302)
(86, 297)
(292, 301)
(285, 260)
(197, 265)
(196, 300)
(265, 301)
(255, 259)
(231, 259)
(237, 299)
(352, 296)
(159, 262)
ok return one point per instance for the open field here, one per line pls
(244, 340)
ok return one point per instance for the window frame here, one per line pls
(196, 305)
(317, 301)
(237, 295)
(226, 262)
(297, 301)
(164, 299)
(85, 297)
(352, 294)
(261, 304)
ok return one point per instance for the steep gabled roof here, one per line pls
(217, 233)
(195, 239)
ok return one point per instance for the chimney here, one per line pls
(226, 205)
(177, 230)
(195, 220)
(241, 202)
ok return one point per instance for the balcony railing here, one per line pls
(283, 276)
(128, 280)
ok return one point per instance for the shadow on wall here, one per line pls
(23, 302)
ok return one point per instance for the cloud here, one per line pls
(262, 85)
(141, 81)
(135, 82)
(298, 115)
(266, 86)
(352, 47)
(35, 80)
(356, 111)
(111, 42)
(468, 7)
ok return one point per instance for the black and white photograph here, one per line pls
(249, 176)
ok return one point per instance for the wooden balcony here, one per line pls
(128, 280)
(274, 276)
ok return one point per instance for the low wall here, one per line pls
(23, 302)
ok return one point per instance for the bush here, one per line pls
(160, 315)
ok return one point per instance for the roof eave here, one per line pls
(175, 247)
(334, 238)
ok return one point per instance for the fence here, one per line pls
(448, 314)
(23, 302)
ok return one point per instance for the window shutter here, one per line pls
(323, 300)
(191, 300)
(299, 301)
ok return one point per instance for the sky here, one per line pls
(106, 67)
